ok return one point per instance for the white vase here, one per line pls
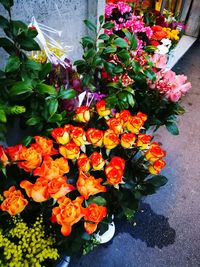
(108, 235)
(64, 262)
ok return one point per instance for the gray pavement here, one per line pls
(167, 230)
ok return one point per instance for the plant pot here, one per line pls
(108, 235)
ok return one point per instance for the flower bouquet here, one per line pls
(58, 192)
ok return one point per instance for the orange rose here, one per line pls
(143, 141)
(68, 213)
(61, 135)
(15, 202)
(3, 157)
(58, 187)
(37, 191)
(78, 136)
(101, 108)
(70, 151)
(114, 175)
(110, 139)
(13, 152)
(142, 116)
(30, 159)
(44, 146)
(87, 185)
(154, 153)
(134, 124)
(124, 115)
(157, 166)
(115, 124)
(82, 114)
(97, 161)
(95, 136)
(83, 163)
(51, 169)
(127, 140)
(93, 215)
(117, 162)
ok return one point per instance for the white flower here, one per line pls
(162, 49)
(166, 42)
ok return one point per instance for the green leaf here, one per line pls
(46, 68)
(13, 64)
(172, 128)
(131, 100)
(27, 140)
(120, 42)
(98, 200)
(87, 40)
(108, 25)
(28, 44)
(33, 120)
(53, 106)
(3, 22)
(46, 89)
(3, 116)
(67, 94)
(90, 25)
(33, 65)
(150, 74)
(110, 49)
(21, 88)
(104, 37)
(7, 4)
(158, 181)
(123, 55)
(133, 42)
(136, 66)
(101, 19)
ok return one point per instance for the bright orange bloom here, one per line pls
(30, 159)
(3, 157)
(97, 161)
(127, 140)
(110, 139)
(142, 116)
(15, 202)
(117, 162)
(44, 146)
(77, 135)
(61, 135)
(157, 166)
(58, 187)
(115, 124)
(87, 185)
(83, 163)
(143, 141)
(51, 169)
(70, 151)
(114, 175)
(101, 108)
(95, 136)
(37, 191)
(134, 124)
(68, 213)
(82, 114)
(154, 153)
(124, 115)
(13, 152)
(93, 215)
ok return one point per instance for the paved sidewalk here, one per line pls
(167, 232)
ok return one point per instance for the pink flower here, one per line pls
(160, 61)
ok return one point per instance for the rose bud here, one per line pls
(127, 140)
(101, 108)
(97, 161)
